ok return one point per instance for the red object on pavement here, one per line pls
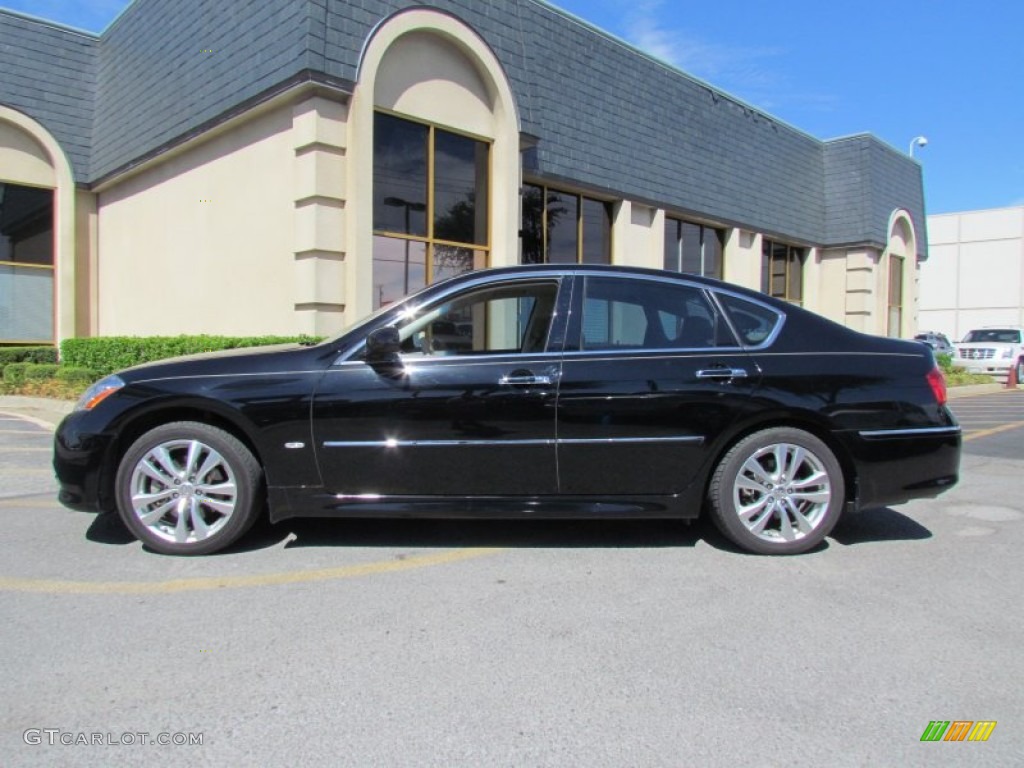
(1011, 378)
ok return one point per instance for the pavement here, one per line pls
(527, 643)
(43, 409)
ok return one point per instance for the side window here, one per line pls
(492, 320)
(754, 322)
(649, 314)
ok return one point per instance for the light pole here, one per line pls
(408, 205)
(918, 141)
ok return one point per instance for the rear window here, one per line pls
(997, 335)
(755, 323)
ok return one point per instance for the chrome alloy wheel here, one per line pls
(782, 493)
(183, 491)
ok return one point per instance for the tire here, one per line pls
(188, 488)
(760, 509)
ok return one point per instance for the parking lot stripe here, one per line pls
(993, 431)
(59, 587)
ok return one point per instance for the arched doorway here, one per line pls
(900, 263)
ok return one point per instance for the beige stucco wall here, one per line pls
(202, 241)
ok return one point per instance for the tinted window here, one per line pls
(1001, 335)
(506, 319)
(649, 314)
(460, 189)
(399, 175)
(753, 322)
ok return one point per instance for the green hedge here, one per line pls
(27, 355)
(106, 354)
(14, 374)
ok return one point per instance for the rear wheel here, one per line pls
(188, 488)
(777, 492)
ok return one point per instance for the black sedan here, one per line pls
(543, 391)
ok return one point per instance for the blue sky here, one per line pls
(950, 70)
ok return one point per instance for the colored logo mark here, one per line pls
(958, 730)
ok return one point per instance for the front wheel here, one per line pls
(188, 488)
(777, 492)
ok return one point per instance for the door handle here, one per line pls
(520, 380)
(722, 373)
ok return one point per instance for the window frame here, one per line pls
(574, 331)
(793, 254)
(581, 199)
(704, 229)
(429, 240)
(45, 224)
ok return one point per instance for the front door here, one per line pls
(468, 409)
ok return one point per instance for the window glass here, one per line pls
(532, 233)
(503, 319)
(563, 228)
(782, 273)
(597, 232)
(460, 189)
(26, 264)
(562, 215)
(673, 245)
(649, 314)
(693, 248)
(399, 175)
(713, 239)
(753, 322)
(399, 268)
(690, 239)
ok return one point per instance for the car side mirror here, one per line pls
(382, 349)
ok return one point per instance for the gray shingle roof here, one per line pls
(606, 117)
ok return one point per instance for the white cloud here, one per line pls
(755, 74)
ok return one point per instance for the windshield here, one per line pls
(998, 335)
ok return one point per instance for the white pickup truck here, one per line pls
(992, 350)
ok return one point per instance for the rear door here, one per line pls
(651, 375)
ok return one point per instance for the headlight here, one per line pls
(1008, 353)
(99, 392)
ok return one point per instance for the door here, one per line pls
(467, 408)
(651, 375)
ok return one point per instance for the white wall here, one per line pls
(974, 275)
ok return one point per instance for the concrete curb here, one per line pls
(39, 409)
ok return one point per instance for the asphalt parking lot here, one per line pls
(411, 643)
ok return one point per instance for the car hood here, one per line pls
(275, 358)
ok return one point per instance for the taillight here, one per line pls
(938, 384)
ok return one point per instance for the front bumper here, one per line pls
(985, 367)
(80, 461)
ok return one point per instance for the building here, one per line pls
(286, 166)
(975, 274)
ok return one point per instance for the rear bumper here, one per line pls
(898, 465)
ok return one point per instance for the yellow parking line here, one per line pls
(993, 431)
(221, 582)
